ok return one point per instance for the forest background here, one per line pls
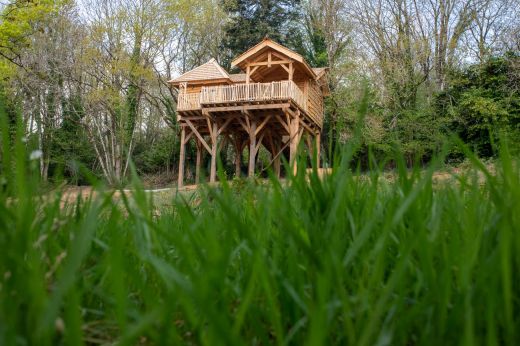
(87, 80)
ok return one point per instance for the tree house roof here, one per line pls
(269, 45)
(208, 72)
(277, 58)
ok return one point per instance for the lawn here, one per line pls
(345, 258)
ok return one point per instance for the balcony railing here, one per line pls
(188, 102)
(282, 90)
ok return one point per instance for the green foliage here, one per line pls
(18, 20)
(346, 259)
(252, 20)
(158, 154)
(484, 102)
(70, 149)
(309, 41)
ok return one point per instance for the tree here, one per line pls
(252, 20)
(484, 103)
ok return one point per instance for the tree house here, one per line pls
(275, 102)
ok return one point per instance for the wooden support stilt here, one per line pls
(239, 146)
(310, 147)
(252, 148)
(277, 164)
(318, 149)
(199, 159)
(214, 146)
(294, 141)
(181, 158)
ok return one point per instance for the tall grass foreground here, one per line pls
(345, 259)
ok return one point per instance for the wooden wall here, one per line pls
(315, 100)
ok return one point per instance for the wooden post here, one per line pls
(214, 144)
(252, 149)
(310, 146)
(199, 159)
(318, 148)
(277, 160)
(238, 155)
(291, 71)
(294, 141)
(181, 158)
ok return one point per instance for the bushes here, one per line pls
(158, 153)
(484, 104)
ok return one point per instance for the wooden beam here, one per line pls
(284, 124)
(307, 127)
(264, 122)
(252, 149)
(294, 141)
(279, 56)
(277, 159)
(269, 58)
(259, 142)
(223, 127)
(208, 120)
(188, 137)
(310, 147)
(199, 136)
(223, 142)
(238, 144)
(254, 69)
(285, 68)
(180, 181)
(269, 63)
(318, 149)
(198, 162)
(241, 122)
(214, 144)
(248, 107)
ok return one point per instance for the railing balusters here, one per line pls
(276, 90)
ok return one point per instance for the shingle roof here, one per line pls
(208, 71)
(238, 77)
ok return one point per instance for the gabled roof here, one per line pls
(322, 82)
(320, 71)
(266, 43)
(206, 72)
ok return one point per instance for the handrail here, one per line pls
(186, 102)
(280, 90)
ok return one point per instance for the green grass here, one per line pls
(341, 260)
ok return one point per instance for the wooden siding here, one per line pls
(315, 102)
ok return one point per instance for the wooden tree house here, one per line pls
(275, 102)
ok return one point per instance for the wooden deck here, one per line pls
(225, 95)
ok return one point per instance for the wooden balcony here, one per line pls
(282, 90)
(225, 94)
